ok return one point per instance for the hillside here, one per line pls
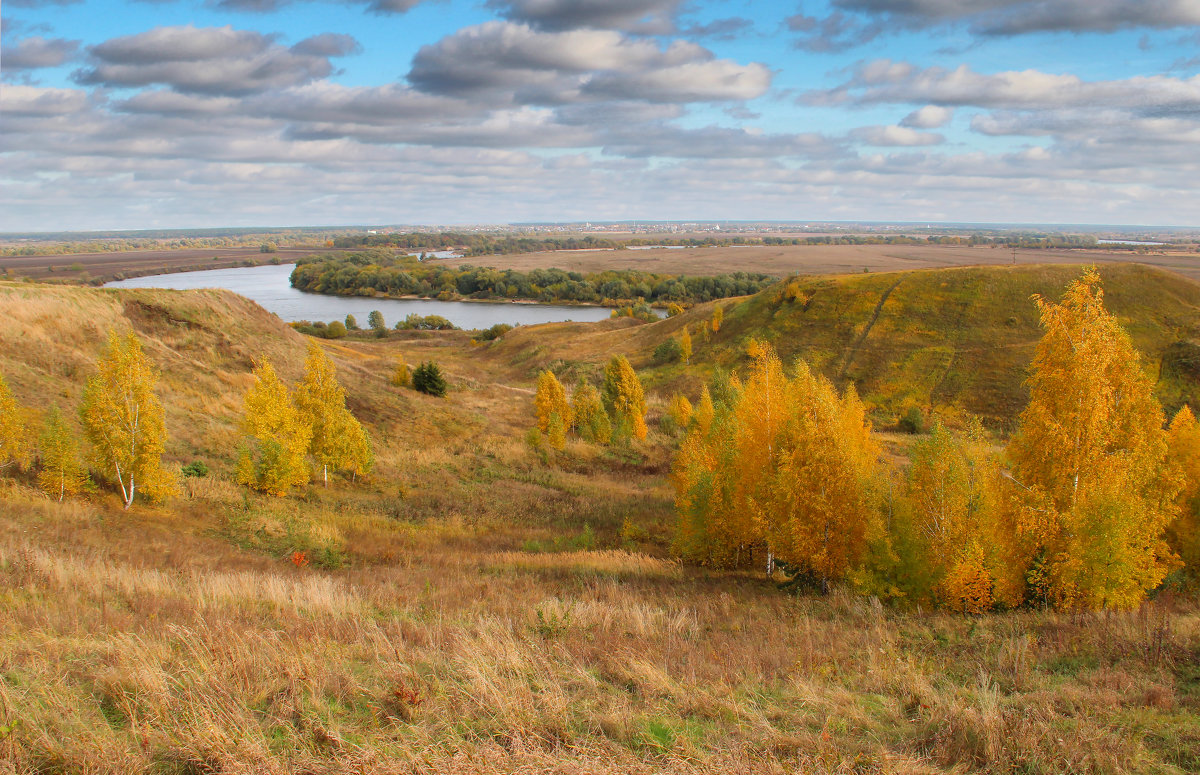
(958, 338)
(479, 605)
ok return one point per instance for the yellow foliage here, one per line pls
(967, 585)
(550, 400)
(61, 473)
(674, 309)
(123, 420)
(1183, 444)
(280, 434)
(14, 446)
(788, 464)
(685, 345)
(1090, 457)
(402, 376)
(588, 416)
(718, 316)
(624, 397)
(681, 410)
(337, 438)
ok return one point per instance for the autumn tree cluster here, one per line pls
(1091, 504)
(288, 427)
(615, 412)
(122, 424)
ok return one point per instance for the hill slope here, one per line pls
(960, 337)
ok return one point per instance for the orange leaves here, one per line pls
(1090, 457)
(786, 463)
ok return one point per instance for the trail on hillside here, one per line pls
(853, 351)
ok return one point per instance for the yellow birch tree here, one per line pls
(122, 420)
(61, 473)
(280, 436)
(1090, 459)
(550, 401)
(1183, 534)
(685, 345)
(624, 398)
(14, 446)
(320, 400)
(588, 416)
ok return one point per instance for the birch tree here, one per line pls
(122, 420)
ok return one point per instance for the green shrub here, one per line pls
(416, 322)
(495, 332)
(912, 421)
(669, 351)
(196, 468)
(428, 378)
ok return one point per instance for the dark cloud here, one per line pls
(36, 52)
(889, 82)
(719, 29)
(855, 22)
(328, 44)
(205, 60)
(505, 62)
(643, 16)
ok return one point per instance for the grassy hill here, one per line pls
(479, 605)
(957, 339)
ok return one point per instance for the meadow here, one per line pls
(482, 604)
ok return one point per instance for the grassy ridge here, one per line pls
(956, 338)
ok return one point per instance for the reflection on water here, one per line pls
(269, 286)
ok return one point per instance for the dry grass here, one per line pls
(476, 608)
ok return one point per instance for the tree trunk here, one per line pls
(325, 468)
(129, 500)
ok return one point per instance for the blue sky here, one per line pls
(190, 113)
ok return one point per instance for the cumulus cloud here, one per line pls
(928, 117)
(205, 60)
(719, 29)
(515, 62)
(22, 100)
(644, 16)
(37, 52)
(896, 136)
(854, 22)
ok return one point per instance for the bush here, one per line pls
(196, 469)
(416, 322)
(495, 332)
(428, 378)
(913, 421)
(335, 330)
(351, 323)
(669, 351)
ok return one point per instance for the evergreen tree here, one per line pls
(280, 436)
(61, 473)
(123, 420)
(427, 378)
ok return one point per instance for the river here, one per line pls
(270, 287)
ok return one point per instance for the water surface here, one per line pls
(270, 287)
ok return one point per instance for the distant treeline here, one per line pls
(492, 244)
(266, 242)
(379, 272)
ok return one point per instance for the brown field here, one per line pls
(819, 259)
(105, 266)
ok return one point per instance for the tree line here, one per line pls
(380, 272)
(1092, 503)
(124, 431)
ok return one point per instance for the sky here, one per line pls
(127, 114)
